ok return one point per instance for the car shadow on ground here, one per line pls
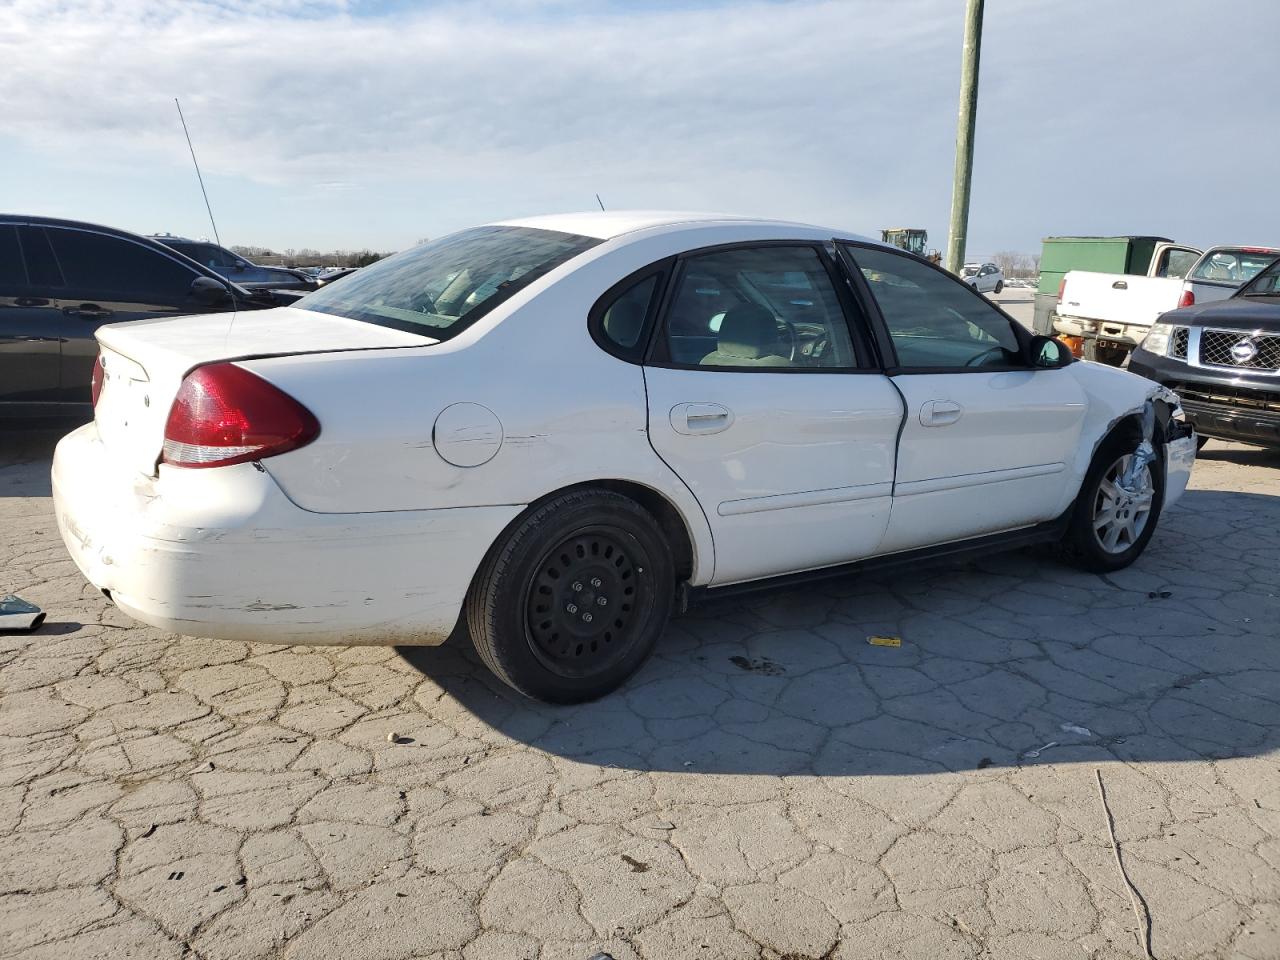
(25, 455)
(1013, 659)
(1241, 455)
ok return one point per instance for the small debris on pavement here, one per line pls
(637, 866)
(1159, 595)
(758, 665)
(394, 737)
(1032, 754)
(885, 641)
(984, 763)
(147, 832)
(662, 825)
(1078, 731)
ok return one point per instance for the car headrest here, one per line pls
(623, 321)
(748, 330)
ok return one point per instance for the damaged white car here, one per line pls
(553, 431)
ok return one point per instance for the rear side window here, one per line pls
(42, 265)
(12, 272)
(618, 320)
(1233, 266)
(440, 288)
(97, 262)
(758, 308)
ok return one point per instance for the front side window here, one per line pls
(935, 321)
(438, 289)
(1233, 266)
(769, 307)
(98, 263)
(1176, 263)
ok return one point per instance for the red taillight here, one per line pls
(95, 381)
(1188, 298)
(224, 414)
(1062, 285)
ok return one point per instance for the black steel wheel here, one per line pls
(570, 602)
(587, 600)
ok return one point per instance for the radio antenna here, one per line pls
(599, 201)
(231, 288)
(196, 164)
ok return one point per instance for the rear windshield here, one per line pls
(969, 270)
(440, 288)
(1232, 266)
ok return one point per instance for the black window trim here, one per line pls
(595, 316)
(885, 340)
(865, 360)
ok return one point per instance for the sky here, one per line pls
(376, 123)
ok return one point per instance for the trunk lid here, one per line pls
(145, 361)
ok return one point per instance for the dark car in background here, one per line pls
(1223, 360)
(235, 267)
(61, 279)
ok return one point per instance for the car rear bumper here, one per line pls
(224, 553)
(1122, 335)
(1219, 405)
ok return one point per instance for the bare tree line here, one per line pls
(310, 257)
(1014, 264)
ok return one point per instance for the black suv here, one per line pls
(1223, 359)
(60, 280)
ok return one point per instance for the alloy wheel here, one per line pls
(1119, 514)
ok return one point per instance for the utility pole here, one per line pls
(964, 136)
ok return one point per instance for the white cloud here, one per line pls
(288, 91)
(1094, 117)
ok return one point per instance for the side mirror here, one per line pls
(209, 292)
(1047, 353)
(238, 265)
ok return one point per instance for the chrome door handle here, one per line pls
(940, 413)
(1120, 285)
(696, 418)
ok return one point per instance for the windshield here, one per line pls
(439, 288)
(1232, 266)
(1265, 284)
(970, 270)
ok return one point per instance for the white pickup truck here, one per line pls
(1112, 312)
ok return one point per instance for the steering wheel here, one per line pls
(980, 359)
(791, 336)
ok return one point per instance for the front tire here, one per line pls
(999, 286)
(1110, 526)
(570, 602)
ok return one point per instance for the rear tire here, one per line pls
(1109, 527)
(570, 602)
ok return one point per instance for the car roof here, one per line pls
(606, 225)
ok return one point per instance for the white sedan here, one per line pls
(553, 431)
(983, 277)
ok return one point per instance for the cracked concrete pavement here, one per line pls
(770, 786)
